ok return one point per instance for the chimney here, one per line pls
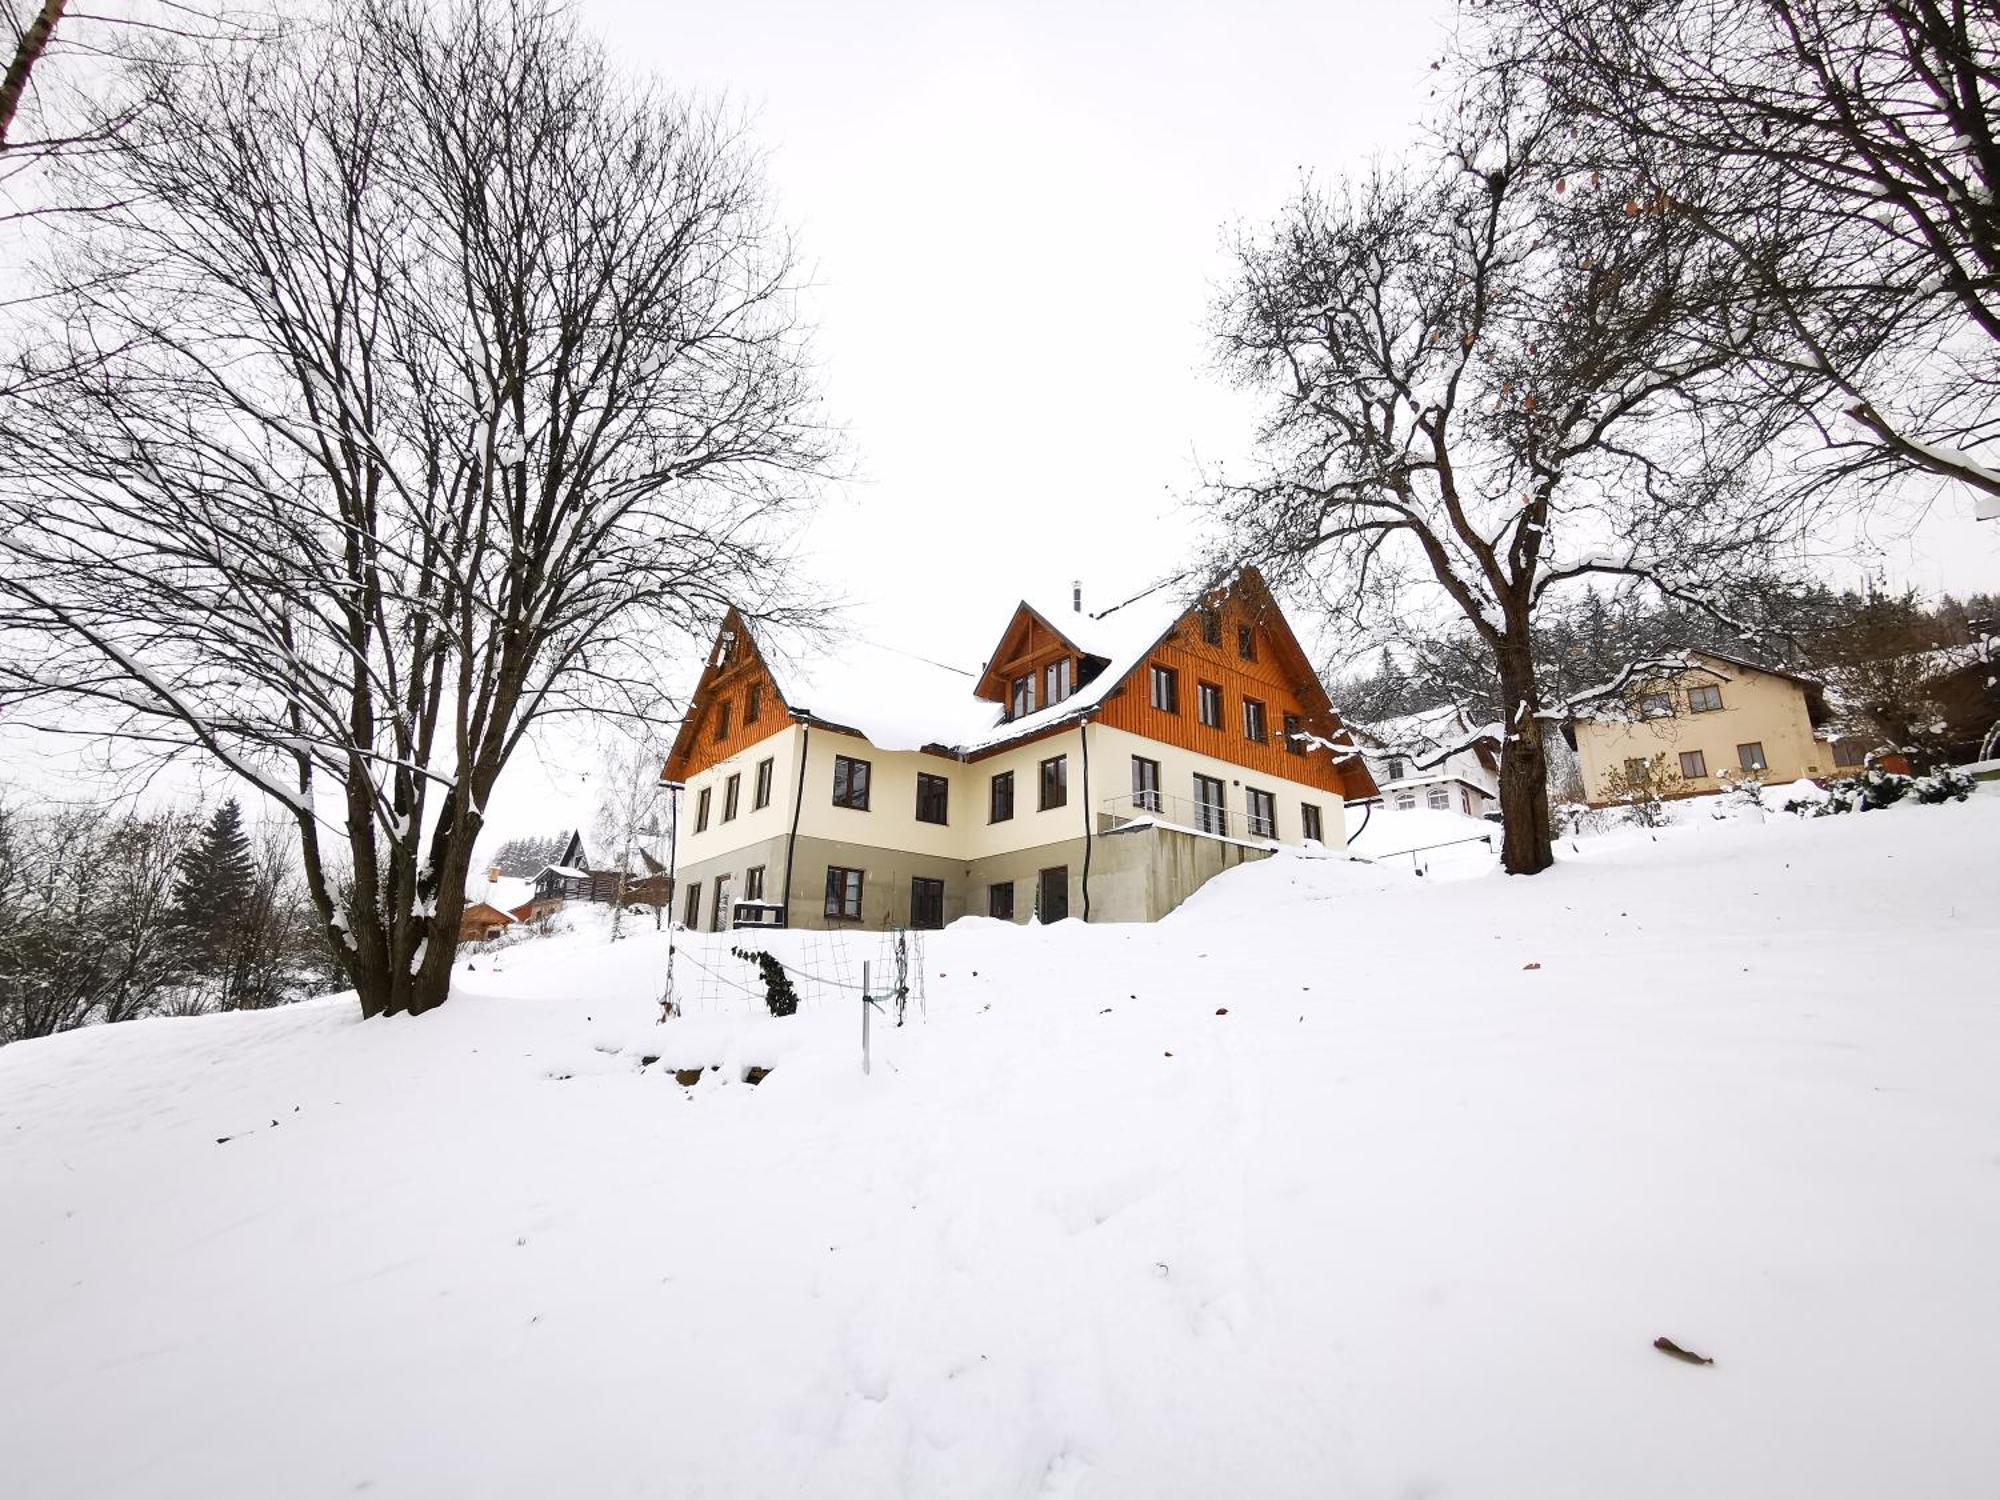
(1076, 596)
(492, 874)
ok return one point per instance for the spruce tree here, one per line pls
(214, 884)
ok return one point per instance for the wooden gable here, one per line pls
(735, 704)
(1027, 646)
(1207, 646)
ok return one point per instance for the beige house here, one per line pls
(1100, 767)
(1718, 719)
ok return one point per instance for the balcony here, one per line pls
(1159, 809)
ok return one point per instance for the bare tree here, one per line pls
(629, 823)
(1491, 378)
(432, 382)
(1872, 132)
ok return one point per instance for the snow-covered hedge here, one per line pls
(1875, 788)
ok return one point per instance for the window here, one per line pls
(1021, 700)
(1253, 720)
(1438, 799)
(1293, 728)
(1263, 813)
(1848, 752)
(1211, 627)
(761, 797)
(1407, 802)
(1656, 706)
(1166, 689)
(1000, 901)
(1208, 704)
(753, 703)
(732, 792)
(722, 719)
(1052, 894)
(1056, 681)
(850, 783)
(1145, 784)
(753, 883)
(843, 893)
(701, 810)
(1465, 801)
(691, 914)
(1309, 825)
(1246, 643)
(1000, 801)
(1055, 782)
(933, 796)
(926, 903)
(1635, 769)
(1694, 764)
(1398, 768)
(1209, 808)
(1751, 756)
(1704, 700)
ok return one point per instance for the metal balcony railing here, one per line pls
(1183, 812)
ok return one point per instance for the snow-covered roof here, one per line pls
(506, 893)
(568, 872)
(1426, 729)
(900, 700)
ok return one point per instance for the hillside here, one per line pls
(1404, 1221)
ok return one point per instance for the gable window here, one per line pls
(761, 797)
(1021, 700)
(926, 903)
(1263, 813)
(1246, 642)
(1145, 784)
(850, 783)
(1208, 704)
(1000, 800)
(1211, 627)
(1055, 782)
(1000, 900)
(933, 795)
(1056, 681)
(691, 910)
(1309, 825)
(753, 703)
(1398, 768)
(732, 791)
(1166, 689)
(753, 883)
(843, 893)
(1253, 720)
(1704, 700)
(1210, 813)
(1293, 728)
(1751, 756)
(722, 719)
(1658, 706)
(1694, 764)
(701, 810)
(1438, 799)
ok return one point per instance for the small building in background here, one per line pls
(493, 904)
(1437, 759)
(1705, 720)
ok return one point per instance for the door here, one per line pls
(1210, 815)
(1052, 899)
(722, 912)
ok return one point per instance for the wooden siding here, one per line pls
(698, 748)
(1027, 647)
(1269, 679)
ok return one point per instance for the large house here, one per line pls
(1436, 758)
(1098, 766)
(1710, 721)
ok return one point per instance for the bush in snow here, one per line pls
(1642, 787)
(1943, 785)
(1744, 794)
(779, 995)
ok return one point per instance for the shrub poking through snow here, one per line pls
(779, 995)
(1876, 788)
(1943, 785)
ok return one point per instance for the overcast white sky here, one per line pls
(1014, 212)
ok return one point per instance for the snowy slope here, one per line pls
(1405, 1221)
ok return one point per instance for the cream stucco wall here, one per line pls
(1756, 706)
(1111, 752)
(749, 825)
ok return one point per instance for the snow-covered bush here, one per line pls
(1875, 788)
(1744, 794)
(1943, 785)
(1642, 787)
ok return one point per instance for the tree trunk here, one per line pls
(1525, 847)
(34, 41)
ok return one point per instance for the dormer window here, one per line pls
(1211, 627)
(1021, 701)
(1056, 681)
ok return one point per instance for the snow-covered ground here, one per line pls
(1339, 1182)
